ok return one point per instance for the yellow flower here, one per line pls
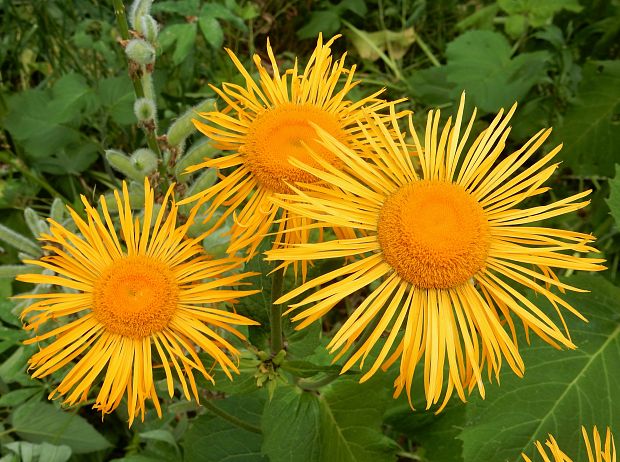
(150, 292)
(596, 452)
(448, 245)
(269, 122)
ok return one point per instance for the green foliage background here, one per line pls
(65, 98)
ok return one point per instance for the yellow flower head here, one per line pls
(269, 122)
(144, 298)
(444, 243)
(596, 451)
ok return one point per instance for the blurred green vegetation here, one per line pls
(66, 97)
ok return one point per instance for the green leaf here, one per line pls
(327, 22)
(614, 196)
(42, 422)
(160, 435)
(431, 86)
(295, 414)
(342, 423)
(117, 98)
(15, 397)
(561, 390)
(435, 435)
(212, 31)
(480, 62)
(591, 131)
(45, 452)
(538, 13)
(185, 39)
(351, 420)
(212, 439)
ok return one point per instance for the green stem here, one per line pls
(6, 432)
(151, 135)
(427, 51)
(277, 343)
(26, 172)
(230, 418)
(307, 384)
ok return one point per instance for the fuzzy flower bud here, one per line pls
(144, 160)
(148, 28)
(144, 109)
(139, 8)
(183, 126)
(140, 51)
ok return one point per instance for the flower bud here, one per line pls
(140, 51)
(149, 28)
(144, 160)
(144, 109)
(139, 8)
(119, 161)
(194, 155)
(183, 126)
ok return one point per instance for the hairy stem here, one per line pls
(151, 135)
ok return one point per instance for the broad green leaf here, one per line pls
(434, 435)
(42, 422)
(351, 420)
(480, 62)
(561, 390)
(591, 131)
(15, 397)
(117, 98)
(614, 196)
(341, 423)
(431, 86)
(212, 439)
(295, 414)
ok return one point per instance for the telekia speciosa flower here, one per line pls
(269, 121)
(147, 297)
(445, 236)
(596, 450)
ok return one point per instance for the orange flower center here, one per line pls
(434, 234)
(135, 296)
(279, 134)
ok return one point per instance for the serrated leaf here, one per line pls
(591, 131)
(212, 439)
(42, 422)
(561, 390)
(480, 63)
(614, 196)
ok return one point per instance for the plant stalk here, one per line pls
(306, 384)
(230, 418)
(277, 342)
(151, 135)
